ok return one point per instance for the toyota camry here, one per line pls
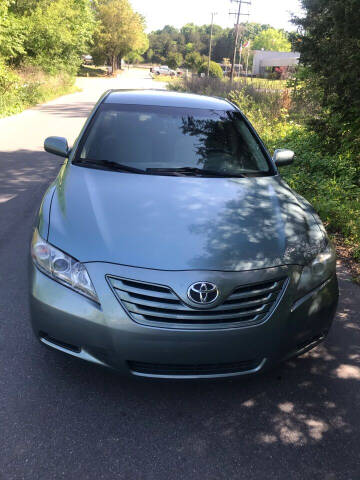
(169, 245)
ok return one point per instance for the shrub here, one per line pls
(29, 86)
(10, 94)
(215, 69)
(9, 80)
(193, 61)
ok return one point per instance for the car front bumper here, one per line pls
(106, 335)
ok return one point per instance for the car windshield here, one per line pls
(170, 141)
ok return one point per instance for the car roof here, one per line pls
(164, 98)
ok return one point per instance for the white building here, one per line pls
(263, 60)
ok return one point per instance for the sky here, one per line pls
(158, 13)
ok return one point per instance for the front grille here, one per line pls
(153, 369)
(157, 305)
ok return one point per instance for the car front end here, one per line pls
(144, 324)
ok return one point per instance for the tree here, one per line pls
(120, 31)
(59, 32)
(193, 61)
(133, 58)
(12, 34)
(328, 40)
(24, 7)
(272, 39)
(215, 69)
(150, 55)
(192, 34)
(194, 38)
(49, 34)
(175, 60)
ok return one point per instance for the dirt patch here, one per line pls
(345, 255)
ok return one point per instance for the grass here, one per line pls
(165, 79)
(222, 84)
(92, 71)
(261, 83)
(222, 87)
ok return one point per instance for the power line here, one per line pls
(237, 27)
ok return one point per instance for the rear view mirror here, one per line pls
(57, 146)
(283, 157)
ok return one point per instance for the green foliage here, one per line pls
(329, 45)
(215, 70)
(41, 43)
(133, 58)
(91, 71)
(52, 35)
(29, 86)
(120, 31)
(58, 33)
(9, 80)
(328, 181)
(150, 55)
(272, 39)
(193, 38)
(193, 61)
(12, 34)
(174, 60)
(189, 47)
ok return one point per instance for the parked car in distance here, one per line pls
(169, 246)
(164, 70)
(87, 60)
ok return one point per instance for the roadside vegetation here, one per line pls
(91, 71)
(30, 86)
(42, 43)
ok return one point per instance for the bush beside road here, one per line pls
(29, 86)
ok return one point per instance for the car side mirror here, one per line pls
(57, 146)
(283, 157)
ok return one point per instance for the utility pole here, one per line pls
(240, 54)
(237, 33)
(247, 60)
(210, 44)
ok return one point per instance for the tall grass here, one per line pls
(265, 104)
(20, 89)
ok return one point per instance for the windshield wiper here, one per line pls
(181, 171)
(108, 165)
(192, 171)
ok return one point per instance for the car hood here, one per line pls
(181, 223)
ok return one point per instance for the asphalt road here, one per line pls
(61, 418)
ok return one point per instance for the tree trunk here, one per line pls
(114, 64)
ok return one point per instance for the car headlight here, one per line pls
(61, 267)
(319, 270)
